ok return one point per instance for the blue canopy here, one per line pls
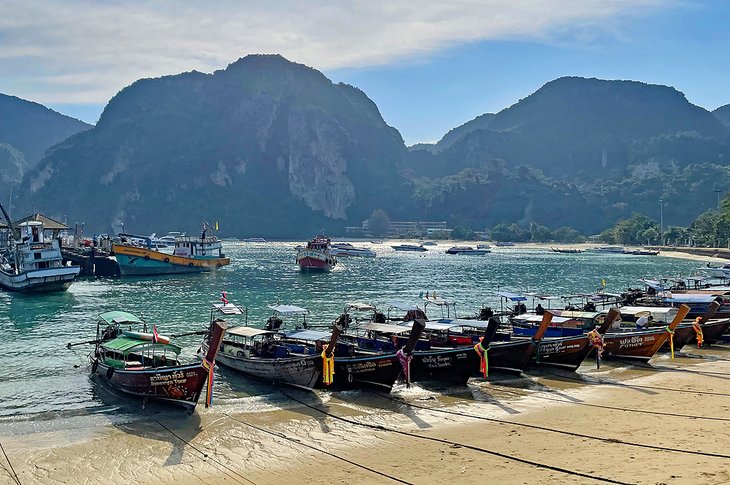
(312, 335)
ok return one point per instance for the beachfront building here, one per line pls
(404, 228)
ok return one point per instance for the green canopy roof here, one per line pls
(120, 317)
(125, 345)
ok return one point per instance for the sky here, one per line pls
(428, 65)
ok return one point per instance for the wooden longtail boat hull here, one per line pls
(511, 357)
(452, 365)
(379, 371)
(304, 371)
(179, 384)
(713, 331)
(564, 352)
(683, 335)
(639, 345)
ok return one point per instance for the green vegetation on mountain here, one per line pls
(723, 114)
(27, 130)
(266, 146)
(274, 148)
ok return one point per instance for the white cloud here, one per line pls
(84, 51)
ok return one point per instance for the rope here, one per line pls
(453, 443)
(14, 475)
(294, 440)
(558, 431)
(233, 473)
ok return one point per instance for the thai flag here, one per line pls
(224, 297)
(155, 335)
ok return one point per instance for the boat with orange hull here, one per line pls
(191, 255)
(316, 255)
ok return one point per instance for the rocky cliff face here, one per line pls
(27, 130)
(265, 142)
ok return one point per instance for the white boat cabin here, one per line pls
(192, 247)
(36, 249)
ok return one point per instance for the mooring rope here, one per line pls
(453, 443)
(14, 475)
(299, 442)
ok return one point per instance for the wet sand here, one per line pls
(232, 444)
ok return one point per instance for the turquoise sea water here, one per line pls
(41, 379)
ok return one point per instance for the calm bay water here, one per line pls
(41, 379)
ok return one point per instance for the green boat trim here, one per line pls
(119, 317)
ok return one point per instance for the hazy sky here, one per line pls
(428, 65)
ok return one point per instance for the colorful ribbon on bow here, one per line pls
(208, 365)
(328, 367)
(596, 341)
(698, 330)
(671, 339)
(482, 352)
(405, 362)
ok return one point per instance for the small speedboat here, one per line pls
(466, 250)
(410, 247)
(347, 249)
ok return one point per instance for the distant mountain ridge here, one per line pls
(264, 143)
(27, 130)
(274, 148)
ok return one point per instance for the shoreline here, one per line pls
(228, 445)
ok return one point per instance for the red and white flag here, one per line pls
(155, 335)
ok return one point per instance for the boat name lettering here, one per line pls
(636, 341)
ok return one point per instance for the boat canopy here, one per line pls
(532, 318)
(399, 305)
(543, 297)
(575, 314)
(289, 309)
(228, 309)
(463, 322)
(654, 310)
(360, 306)
(385, 328)
(511, 296)
(433, 325)
(126, 345)
(248, 331)
(308, 335)
(690, 298)
(119, 317)
(654, 284)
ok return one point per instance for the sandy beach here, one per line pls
(562, 427)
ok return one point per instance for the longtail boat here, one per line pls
(146, 364)
(569, 352)
(641, 344)
(271, 355)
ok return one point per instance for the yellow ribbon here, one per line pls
(698, 330)
(328, 367)
(482, 352)
(671, 340)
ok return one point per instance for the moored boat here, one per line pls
(468, 250)
(347, 249)
(316, 255)
(415, 248)
(190, 255)
(34, 262)
(146, 367)
(567, 250)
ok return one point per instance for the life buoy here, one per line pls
(94, 365)
(110, 373)
(167, 260)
